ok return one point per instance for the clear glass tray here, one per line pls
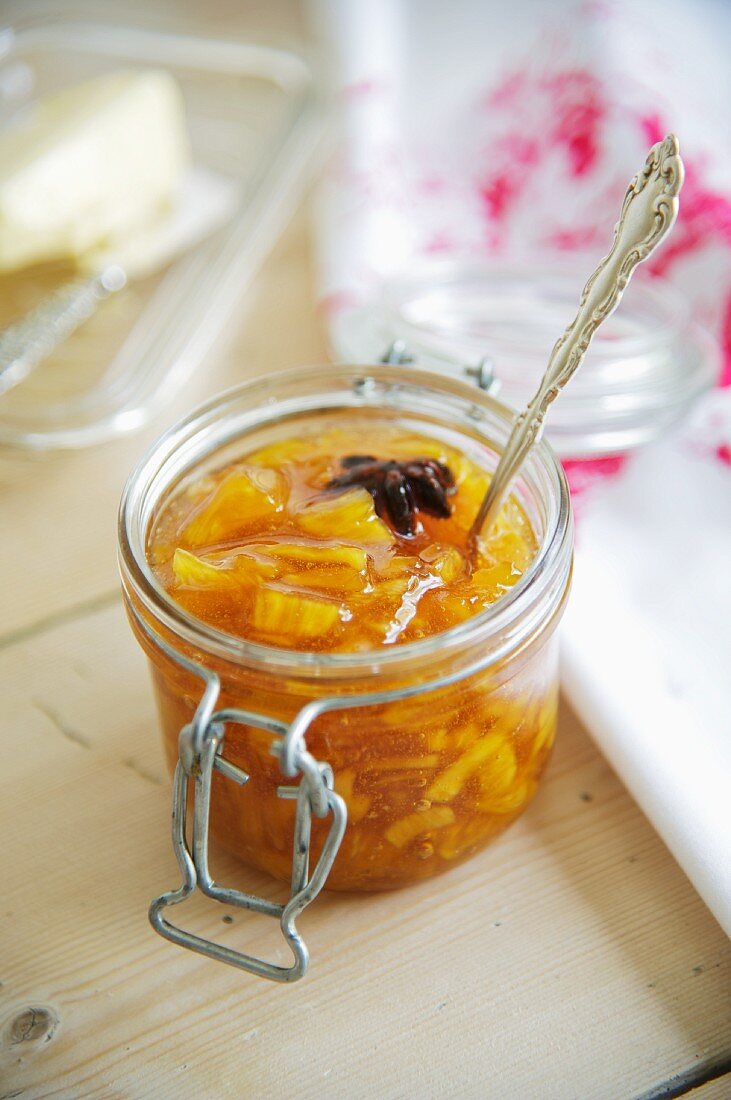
(252, 117)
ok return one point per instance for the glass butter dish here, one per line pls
(252, 122)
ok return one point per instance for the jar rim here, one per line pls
(507, 623)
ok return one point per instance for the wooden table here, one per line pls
(571, 960)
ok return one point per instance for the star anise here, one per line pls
(400, 488)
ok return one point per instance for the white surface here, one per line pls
(205, 200)
(647, 646)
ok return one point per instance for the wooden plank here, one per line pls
(573, 959)
(713, 1090)
(573, 955)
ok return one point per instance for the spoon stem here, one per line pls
(648, 213)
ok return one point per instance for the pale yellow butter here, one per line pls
(89, 165)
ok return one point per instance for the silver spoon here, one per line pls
(648, 212)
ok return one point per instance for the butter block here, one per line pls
(89, 165)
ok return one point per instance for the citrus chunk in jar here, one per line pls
(337, 561)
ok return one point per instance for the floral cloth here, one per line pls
(512, 130)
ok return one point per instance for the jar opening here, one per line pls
(439, 406)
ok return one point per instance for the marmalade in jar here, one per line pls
(352, 538)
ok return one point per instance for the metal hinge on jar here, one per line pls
(200, 745)
(482, 373)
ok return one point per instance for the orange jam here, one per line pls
(269, 549)
(285, 546)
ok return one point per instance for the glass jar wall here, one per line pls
(456, 751)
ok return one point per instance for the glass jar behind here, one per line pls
(646, 366)
(435, 745)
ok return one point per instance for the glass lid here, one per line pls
(645, 367)
(252, 125)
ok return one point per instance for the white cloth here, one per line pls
(646, 640)
(475, 128)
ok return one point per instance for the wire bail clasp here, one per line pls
(200, 747)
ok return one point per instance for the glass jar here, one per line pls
(430, 748)
(645, 368)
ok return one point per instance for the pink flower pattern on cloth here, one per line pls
(533, 162)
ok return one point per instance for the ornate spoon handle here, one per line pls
(648, 212)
